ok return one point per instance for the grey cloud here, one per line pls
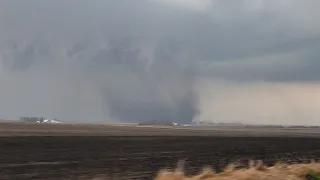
(143, 58)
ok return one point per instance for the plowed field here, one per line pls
(138, 157)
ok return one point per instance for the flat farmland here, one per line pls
(37, 151)
(21, 129)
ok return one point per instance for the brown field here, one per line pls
(20, 129)
(38, 151)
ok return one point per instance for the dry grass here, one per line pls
(257, 171)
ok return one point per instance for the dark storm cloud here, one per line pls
(143, 58)
(104, 41)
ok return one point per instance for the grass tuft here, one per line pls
(256, 171)
(313, 175)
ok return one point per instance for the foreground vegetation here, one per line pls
(256, 171)
(313, 175)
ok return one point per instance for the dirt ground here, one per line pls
(87, 152)
(21, 129)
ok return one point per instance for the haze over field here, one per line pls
(254, 61)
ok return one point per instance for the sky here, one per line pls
(250, 61)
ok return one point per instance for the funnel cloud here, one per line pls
(254, 61)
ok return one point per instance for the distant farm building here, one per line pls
(31, 119)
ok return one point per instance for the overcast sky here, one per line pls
(254, 61)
